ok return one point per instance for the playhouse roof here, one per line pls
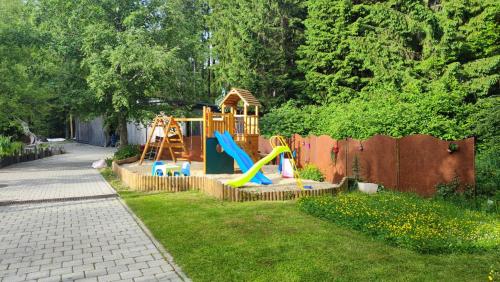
(235, 95)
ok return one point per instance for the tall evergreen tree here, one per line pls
(397, 46)
(254, 44)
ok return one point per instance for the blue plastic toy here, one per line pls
(155, 172)
(186, 169)
(280, 165)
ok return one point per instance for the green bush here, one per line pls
(392, 114)
(288, 119)
(460, 195)
(127, 152)
(109, 162)
(454, 189)
(11, 128)
(311, 172)
(426, 226)
(488, 172)
(9, 148)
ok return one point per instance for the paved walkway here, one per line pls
(61, 176)
(80, 240)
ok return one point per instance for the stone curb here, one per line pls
(56, 200)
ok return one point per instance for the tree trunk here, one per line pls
(122, 125)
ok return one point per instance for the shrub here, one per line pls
(465, 196)
(311, 172)
(9, 148)
(289, 119)
(356, 174)
(127, 152)
(488, 172)
(11, 128)
(447, 191)
(109, 162)
(426, 226)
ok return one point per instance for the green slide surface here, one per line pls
(247, 176)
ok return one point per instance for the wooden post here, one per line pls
(231, 125)
(204, 140)
(245, 122)
(162, 144)
(71, 126)
(257, 131)
(149, 141)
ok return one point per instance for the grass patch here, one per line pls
(274, 241)
(114, 181)
(410, 221)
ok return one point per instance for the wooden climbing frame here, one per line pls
(172, 139)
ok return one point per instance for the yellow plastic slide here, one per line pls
(247, 176)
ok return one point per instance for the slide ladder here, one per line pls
(279, 141)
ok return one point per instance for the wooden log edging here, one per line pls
(212, 187)
(128, 160)
(30, 156)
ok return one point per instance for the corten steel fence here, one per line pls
(415, 163)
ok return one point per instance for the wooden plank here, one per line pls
(148, 142)
(188, 119)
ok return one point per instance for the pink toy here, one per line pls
(287, 171)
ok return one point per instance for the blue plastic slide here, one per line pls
(241, 157)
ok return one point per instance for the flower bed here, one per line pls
(409, 221)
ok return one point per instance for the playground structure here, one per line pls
(235, 118)
(227, 136)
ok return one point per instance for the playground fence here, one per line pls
(415, 163)
(209, 186)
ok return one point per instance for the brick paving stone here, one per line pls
(91, 239)
(109, 277)
(60, 176)
(131, 274)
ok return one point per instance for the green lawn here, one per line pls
(274, 241)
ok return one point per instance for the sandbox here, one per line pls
(271, 171)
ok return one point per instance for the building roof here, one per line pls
(235, 95)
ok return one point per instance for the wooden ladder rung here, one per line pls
(175, 145)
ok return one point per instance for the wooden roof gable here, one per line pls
(235, 95)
